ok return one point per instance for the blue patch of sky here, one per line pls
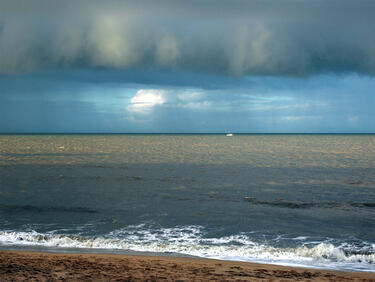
(324, 103)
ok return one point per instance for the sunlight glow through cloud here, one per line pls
(146, 99)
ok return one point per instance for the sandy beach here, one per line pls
(37, 266)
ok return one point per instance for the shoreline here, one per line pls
(43, 266)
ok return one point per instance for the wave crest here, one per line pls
(190, 241)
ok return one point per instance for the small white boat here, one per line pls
(229, 135)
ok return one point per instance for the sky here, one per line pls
(171, 66)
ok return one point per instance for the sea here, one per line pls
(298, 200)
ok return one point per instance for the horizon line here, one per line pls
(187, 133)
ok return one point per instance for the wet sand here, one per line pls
(37, 266)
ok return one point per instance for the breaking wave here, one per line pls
(190, 240)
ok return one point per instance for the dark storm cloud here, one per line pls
(219, 37)
(116, 78)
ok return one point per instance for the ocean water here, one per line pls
(302, 200)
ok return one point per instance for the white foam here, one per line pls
(300, 238)
(190, 240)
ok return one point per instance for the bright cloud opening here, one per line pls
(146, 99)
